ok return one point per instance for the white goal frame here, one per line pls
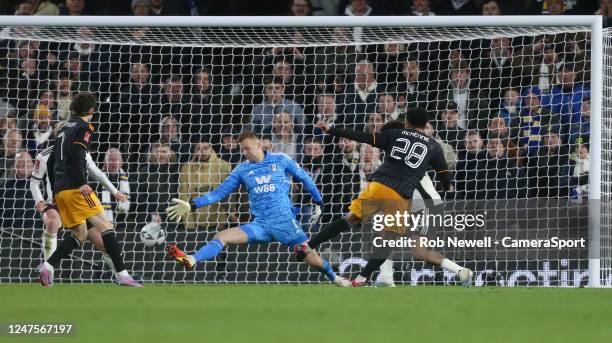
(592, 22)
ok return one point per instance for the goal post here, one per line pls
(238, 56)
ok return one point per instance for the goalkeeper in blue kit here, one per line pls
(267, 179)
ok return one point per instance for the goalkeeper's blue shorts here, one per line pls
(288, 232)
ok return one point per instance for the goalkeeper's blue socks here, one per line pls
(327, 271)
(209, 251)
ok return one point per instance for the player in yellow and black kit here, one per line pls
(78, 205)
(409, 154)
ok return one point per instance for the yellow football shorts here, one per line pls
(74, 207)
(376, 198)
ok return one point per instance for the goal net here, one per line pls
(509, 105)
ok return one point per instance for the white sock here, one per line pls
(109, 262)
(386, 269)
(450, 266)
(123, 273)
(49, 244)
(360, 279)
(50, 267)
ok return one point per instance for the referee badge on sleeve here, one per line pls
(273, 167)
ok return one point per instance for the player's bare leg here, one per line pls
(230, 236)
(312, 258)
(422, 253)
(75, 240)
(107, 233)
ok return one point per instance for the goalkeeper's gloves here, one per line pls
(315, 215)
(179, 211)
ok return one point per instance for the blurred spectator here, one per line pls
(202, 174)
(7, 110)
(554, 7)
(326, 109)
(45, 7)
(510, 105)
(113, 167)
(209, 114)
(499, 129)
(72, 7)
(25, 7)
(495, 72)
(300, 7)
(7, 123)
(357, 8)
(449, 152)
(370, 161)
(293, 84)
(491, 7)
(314, 164)
(470, 174)
(567, 95)
(580, 172)
(388, 107)
(547, 61)
(175, 102)
(24, 85)
(325, 7)
(40, 131)
(81, 80)
(170, 134)
(284, 139)
(230, 150)
(501, 172)
(534, 121)
(360, 97)
(582, 129)
(473, 108)
(421, 8)
(12, 143)
(457, 7)
(138, 115)
(389, 59)
(141, 7)
(412, 88)
(548, 174)
(156, 182)
(63, 88)
(275, 102)
(375, 123)
(16, 202)
(449, 129)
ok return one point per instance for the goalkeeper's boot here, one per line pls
(342, 282)
(46, 274)
(179, 256)
(465, 277)
(128, 281)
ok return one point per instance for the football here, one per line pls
(152, 234)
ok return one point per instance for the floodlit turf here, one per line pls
(286, 313)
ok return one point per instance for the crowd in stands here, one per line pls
(511, 113)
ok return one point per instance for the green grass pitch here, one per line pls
(311, 313)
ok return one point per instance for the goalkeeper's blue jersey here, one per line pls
(268, 183)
